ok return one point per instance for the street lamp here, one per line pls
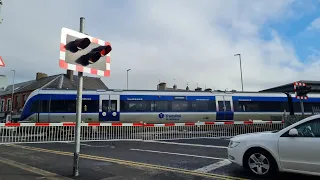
(11, 108)
(240, 70)
(128, 78)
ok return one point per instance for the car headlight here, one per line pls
(233, 144)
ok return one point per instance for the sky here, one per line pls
(178, 42)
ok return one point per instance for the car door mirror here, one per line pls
(293, 132)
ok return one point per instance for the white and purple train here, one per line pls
(151, 106)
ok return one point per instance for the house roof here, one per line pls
(59, 81)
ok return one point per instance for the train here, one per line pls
(154, 106)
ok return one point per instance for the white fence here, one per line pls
(64, 132)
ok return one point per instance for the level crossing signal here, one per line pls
(80, 52)
(301, 90)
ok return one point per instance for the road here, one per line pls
(195, 159)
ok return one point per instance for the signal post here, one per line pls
(301, 90)
(83, 53)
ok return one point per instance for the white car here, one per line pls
(295, 148)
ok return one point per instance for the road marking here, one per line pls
(214, 166)
(179, 154)
(132, 163)
(46, 174)
(187, 144)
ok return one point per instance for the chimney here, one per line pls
(70, 74)
(198, 89)
(40, 75)
(162, 86)
(174, 87)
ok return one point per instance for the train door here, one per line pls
(109, 108)
(224, 108)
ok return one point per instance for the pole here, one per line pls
(302, 107)
(78, 115)
(128, 78)
(240, 70)
(12, 93)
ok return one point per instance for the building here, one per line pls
(283, 88)
(290, 87)
(42, 80)
(163, 87)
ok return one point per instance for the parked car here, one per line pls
(295, 148)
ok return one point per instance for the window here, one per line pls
(105, 105)
(135, 106)
(90, 106)
(160, 106)
(2, 105)
(309, 129)
(40, 106)
(264, 106)
(180, 106)
(63, 106)
(8, 104)
(224, 105)
(202, 106)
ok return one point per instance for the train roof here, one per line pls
(165, 92)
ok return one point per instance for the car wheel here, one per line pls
(260, 163)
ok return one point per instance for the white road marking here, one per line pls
(187, 144)
(214, 166)
(179, 154)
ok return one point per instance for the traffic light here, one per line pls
(301, 90)
(83, 53)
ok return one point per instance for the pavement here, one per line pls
(194, 159)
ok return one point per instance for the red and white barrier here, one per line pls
(96, 131)
(139, 124)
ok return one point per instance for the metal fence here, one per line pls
(64, 132)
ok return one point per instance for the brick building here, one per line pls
(59, 81)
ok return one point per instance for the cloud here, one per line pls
(173, 41)
(315, 25)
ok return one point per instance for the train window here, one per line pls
(212, 105)
(264, 106)
(113, 105)
(180, 106)
(40, 106)
(200, 105)
(44, 106)
(220, 105)
(228, 105)
(63, 106)
(136, 106)
(162, 106)
(35, 106)
(105, 105)
(90, 106)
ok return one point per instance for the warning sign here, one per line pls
(2, 62)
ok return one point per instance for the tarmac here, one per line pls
(191, 159)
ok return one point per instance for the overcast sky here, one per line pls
(171, 40)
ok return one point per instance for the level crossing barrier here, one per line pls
(96, 131)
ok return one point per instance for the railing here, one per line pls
(64, 132)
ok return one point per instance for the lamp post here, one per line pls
(128, 78)
(11, 106)
(240, 69)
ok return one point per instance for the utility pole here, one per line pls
(0, 11)
(12, 93)
(240, 70)
(128, 78)
(78, 115)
